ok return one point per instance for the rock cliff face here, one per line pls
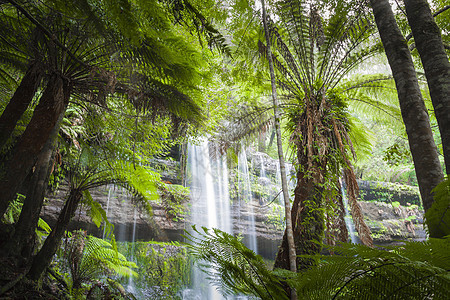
(388, 220)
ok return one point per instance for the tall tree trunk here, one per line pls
(44, 257)
(23, 241)
(38, 131)
(308, 219)
(415, 116)
(287, 205)
(20, 101)
(427, 37)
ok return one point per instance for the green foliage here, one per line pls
(395, 154)
(415, 270)
(395, 204)
(164, 268)
(437, 217)
(85, 260)
(390, 192)
(237, 269)
(12, 215)
(13, 212)
(174, 199)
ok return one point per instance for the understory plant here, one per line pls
(414, 270)
(164, 268)
(88, 265)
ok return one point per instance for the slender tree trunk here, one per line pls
(44, 257)
(23, 241)
(20, 101)
(415, 116)
(38, 131)
(427, 37)
(287, 205)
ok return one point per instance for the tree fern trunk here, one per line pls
(287, 205)
(415, 116)
(20, 101)
(52, 103)
(44, 257)
(23, 241)
(308, 220)
(427, 37)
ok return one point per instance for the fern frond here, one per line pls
(99, 257)
(437, 217)
(359, 272)
(247, 121)
(237, 269)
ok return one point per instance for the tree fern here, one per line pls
(232, 267)
(89, 258)
(414, 270)
(438, 216)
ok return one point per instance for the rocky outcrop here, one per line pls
(391, 224)
(123, 212)
(389, 192)
(390, 220)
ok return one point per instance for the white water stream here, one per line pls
(348, 218)
(245, 199)
(210, 208)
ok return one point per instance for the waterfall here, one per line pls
(245, 198)
(210, 201)
(262, 180)
(348, 218)
(223, 193)
(110, 192)
(131, 288)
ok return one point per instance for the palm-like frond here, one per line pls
(438, 216)
(88, 258)
(247, 121)
(187, 14)
(99, 255)
(90, 172)
(416, 270)
(237, 269)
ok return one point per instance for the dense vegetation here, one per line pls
(92, 91)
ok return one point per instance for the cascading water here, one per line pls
(110, 189)
(119, 196)
(264, 182)
(131, 288)
(210, 207)
(348, 218)
(223, 193)
(245, 198)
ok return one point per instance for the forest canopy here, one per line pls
(92, 92)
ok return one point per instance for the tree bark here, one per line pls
(23, 241)
(44, 257)
(20, 100)
(287, 206)
(415, 116)
(427, 37)
(308, 220)
(38, 131)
